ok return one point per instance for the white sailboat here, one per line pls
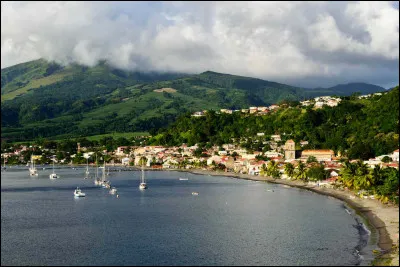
(143, 184)
(104, 182)
(96, 179)
(53, 175)
(32, 168)
(87, 169)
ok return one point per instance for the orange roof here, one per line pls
(318, 151)
(290, 141)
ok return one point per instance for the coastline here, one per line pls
(383, 217)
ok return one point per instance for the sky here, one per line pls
(306, 44)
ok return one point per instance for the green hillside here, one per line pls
(43, 99)
(357, 128)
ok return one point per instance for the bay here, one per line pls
(230, 222)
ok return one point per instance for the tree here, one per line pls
(386, 159)
(317, 172)
(301, 172)
(311, 159)
(142, 161)
(289, 170)
(272, 169)
(263, 170)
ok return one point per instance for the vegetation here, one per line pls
(384, 183)
(359, 129)
(42, 99)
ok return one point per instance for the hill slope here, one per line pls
(43, 99)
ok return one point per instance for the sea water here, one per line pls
(229, 222)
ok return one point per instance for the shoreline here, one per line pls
(383, 217)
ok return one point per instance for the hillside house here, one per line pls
(276, 137)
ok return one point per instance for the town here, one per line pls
(276, 156)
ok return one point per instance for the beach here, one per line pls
(383, 217)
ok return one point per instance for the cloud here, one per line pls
(301, 43)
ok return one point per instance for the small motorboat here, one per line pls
(106, 184)
(53, 176)
(113, 190)
(183, 179)
(195, 193)
(78, 193)
(143, 186)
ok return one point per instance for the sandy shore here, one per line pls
(383, 217)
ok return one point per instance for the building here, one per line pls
(253, 110)
(290, 151)
(319, 154)
(395, 155)
(276, 137)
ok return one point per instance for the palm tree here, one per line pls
(377, 175)
(363, 179)
(289, 170)
(273, 170)
(142, 161)
(301, 172)
(263, 170)
(348, 174)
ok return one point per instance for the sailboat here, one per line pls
(143, 184)
(104, 182)
(32, 168)
(53, 175)
(97, 180)
(87, 168)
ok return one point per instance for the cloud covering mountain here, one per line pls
(303, 43)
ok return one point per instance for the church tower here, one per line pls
(290, 151)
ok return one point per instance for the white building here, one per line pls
(395, 155)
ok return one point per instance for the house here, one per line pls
(125, 161)
(319, 154)
(198, 114)
(228, 111)
(253, 110)
(319, 104)
(395, 155)
(272, 107)
(303, 143)
(244, 110)
(333, 102)
(276, 137)
(121, 150)
(260, 134)
(272, 154)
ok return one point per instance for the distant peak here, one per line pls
(211, 72)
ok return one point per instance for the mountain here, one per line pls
(346, 89)
(44, 99)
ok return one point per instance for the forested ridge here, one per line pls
(358, 128)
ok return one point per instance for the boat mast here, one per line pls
(97, 168)
(104, 171)
(142, 174)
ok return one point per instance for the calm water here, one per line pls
(230, 222)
